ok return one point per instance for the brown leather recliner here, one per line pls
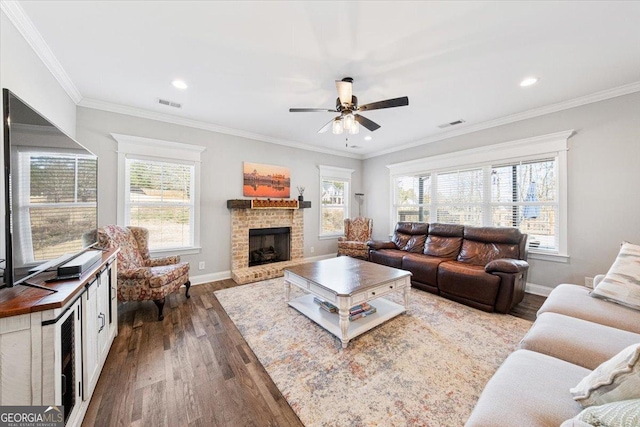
(483, 267)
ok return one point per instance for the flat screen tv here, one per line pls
(50, 193)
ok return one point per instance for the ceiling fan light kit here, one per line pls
(347, 106)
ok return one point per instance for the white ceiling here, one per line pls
(246, 63)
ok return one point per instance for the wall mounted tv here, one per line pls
(50, 193)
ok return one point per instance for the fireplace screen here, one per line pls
(267, 245)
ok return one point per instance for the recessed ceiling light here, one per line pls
(529, 81)
(179, 84)
(368, 138)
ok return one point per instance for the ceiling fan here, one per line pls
(347, 105)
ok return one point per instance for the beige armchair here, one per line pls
(141, 278)
(357, 232)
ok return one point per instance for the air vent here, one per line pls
(169, 103)
(446, 125)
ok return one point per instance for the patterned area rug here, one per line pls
(424, 368)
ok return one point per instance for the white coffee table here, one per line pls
(346, 282)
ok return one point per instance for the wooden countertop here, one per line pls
(25, 299)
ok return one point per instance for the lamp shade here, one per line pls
(337, 126)
(348, 121)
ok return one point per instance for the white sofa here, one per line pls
(572, 335)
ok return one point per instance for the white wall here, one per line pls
(603, 182)
(221, 177)
(23, 73)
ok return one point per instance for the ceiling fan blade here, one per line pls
(388, 103)
(369, 124)
(326, 127)
(345, 91)
(309, 110)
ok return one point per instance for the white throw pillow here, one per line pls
(622, 282)
(616, 379)
(625, 413)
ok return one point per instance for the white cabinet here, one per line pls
(53, 347)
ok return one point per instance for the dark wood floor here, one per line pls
(193, 369)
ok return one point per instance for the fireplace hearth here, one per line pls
(268, 245)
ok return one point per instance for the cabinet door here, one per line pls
(103, 314)
(90, 326)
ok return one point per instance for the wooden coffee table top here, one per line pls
(345, 275)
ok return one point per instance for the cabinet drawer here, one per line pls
(381, 290)
(317, 290)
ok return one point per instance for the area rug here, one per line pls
(423, 368)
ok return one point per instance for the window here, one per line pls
(413, 198)
(159, 197)
(335, 186)
(159, 189)
(518, 184)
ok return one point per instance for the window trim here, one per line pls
(339, 174)
(550, 145)
(136, 147)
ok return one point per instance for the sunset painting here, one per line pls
(266, 181)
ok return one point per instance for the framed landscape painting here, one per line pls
(261, 180)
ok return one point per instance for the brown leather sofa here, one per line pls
(483, 267)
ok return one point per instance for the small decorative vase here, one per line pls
(301, 198)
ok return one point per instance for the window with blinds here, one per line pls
(522, 194)
(334, 206)
(412, 198)
(61, 201)
(459, 197)
(159, 197)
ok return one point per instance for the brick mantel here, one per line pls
(244, 219)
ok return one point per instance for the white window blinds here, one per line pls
(159, 197)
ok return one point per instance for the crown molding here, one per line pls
(536, 112)
(503, 151)
(167, 118)
(21, 21)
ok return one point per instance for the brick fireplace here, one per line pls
(244, 219)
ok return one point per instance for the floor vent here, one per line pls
(169, 103)
(446, 125)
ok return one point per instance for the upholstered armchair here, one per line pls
(141, 278)
(357, 232)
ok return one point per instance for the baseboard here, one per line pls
(222, 275)
(532, 288)
(210, 277)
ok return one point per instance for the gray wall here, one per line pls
(221, 177)
(603, 181)
(23, 73)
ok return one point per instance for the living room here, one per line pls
(587, 97)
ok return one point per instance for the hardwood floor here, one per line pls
(193, 369)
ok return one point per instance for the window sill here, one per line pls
(177, 251)
(329, 237)
(547, 256)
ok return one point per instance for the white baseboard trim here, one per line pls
(222, 275)
(211, 277)
(532, 288)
